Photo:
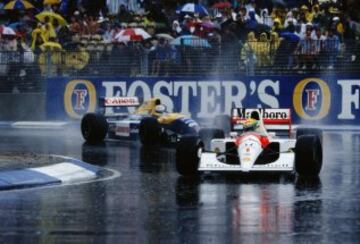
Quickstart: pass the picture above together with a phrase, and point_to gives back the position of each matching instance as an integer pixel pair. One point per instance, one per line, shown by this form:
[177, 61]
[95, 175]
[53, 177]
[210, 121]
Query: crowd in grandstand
[132, 37]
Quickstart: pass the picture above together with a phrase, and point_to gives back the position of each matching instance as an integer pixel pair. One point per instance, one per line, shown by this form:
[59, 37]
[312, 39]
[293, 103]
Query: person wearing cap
[308, 14]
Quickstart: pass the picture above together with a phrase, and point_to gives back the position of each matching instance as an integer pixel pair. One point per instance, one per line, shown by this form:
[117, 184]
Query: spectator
[265, 19]
[248, 54]
[262, 51]
[319, 42]
[162, 58]
[332, 47]
[274, 45]
[306, 50]
[123, 15]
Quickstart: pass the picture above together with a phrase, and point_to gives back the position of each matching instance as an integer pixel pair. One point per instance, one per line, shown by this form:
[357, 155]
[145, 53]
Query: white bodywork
[248, 150]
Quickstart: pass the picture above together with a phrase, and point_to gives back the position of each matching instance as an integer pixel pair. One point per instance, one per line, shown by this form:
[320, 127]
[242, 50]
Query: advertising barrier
[329, 100]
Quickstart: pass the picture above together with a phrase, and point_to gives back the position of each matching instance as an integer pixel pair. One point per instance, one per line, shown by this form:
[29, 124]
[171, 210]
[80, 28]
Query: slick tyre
[308, 156]
[149, 131]
[188, 153]
[309, 131]
[94, 128]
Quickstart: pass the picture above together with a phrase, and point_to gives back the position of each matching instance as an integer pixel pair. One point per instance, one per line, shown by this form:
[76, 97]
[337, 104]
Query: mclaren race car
[149, 122]
[261, 140]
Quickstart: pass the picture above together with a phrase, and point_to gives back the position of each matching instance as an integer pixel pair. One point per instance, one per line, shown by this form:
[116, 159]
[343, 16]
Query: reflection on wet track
[150, 203]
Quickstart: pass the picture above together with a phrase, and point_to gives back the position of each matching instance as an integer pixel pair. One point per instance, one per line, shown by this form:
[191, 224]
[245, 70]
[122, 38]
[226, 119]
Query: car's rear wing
[274, 119]
[115, 106]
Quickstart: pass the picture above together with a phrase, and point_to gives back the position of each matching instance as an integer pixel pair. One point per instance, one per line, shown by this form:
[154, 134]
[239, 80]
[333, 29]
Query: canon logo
[121, 101]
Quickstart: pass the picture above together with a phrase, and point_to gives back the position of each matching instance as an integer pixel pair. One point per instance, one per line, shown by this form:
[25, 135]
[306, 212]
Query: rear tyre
[149, 131]
[188, 153]
[308, 156]
[207, 134]
[94, 127]
[309, 131]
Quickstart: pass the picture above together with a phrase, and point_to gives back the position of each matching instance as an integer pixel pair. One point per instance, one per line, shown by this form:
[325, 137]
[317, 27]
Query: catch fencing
[27, 71]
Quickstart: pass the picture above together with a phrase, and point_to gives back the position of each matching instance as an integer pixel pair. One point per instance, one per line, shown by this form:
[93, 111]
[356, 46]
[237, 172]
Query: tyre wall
[325, 99]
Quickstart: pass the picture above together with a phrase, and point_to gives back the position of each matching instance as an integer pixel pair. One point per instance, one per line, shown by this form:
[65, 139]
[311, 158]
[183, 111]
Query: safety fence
[26, 71]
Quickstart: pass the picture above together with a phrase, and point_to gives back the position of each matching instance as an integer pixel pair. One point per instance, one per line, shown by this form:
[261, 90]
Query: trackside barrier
[316, 100]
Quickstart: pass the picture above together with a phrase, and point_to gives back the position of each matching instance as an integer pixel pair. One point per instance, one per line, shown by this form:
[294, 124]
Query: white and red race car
[260, 149]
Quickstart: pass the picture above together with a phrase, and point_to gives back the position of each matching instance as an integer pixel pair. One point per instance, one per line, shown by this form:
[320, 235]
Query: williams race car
[256, 144]
[149, 122]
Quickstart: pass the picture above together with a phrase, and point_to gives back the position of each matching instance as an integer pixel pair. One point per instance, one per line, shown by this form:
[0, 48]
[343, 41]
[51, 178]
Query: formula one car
[150, 122]
[255, 144]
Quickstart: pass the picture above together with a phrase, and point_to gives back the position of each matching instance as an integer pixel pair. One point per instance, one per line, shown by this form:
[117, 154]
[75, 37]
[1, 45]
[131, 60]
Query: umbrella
[7, 31]
[52, 16]
[165, 36]
[18, 4]
[51, 2]
[192, 8]
[15, 25]
[189, 40]
[222, 5]
[132, 34]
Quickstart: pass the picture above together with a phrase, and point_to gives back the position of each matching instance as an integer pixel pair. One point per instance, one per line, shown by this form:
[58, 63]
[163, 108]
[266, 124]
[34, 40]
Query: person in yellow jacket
[262, 51]
[309, 15]
[37, 37]
[47, 32]
[247, 54]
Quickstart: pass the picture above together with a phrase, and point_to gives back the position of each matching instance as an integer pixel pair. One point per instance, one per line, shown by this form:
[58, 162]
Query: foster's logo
[311, 99]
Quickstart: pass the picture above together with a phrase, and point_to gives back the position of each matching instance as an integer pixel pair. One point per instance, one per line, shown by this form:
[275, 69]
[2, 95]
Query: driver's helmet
[253, 122]
[255, 115]
[160, 109]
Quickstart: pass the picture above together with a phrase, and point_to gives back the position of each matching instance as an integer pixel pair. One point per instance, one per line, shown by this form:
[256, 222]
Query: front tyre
[149, 131]
[188, 153]
[94, 127]
[308, 156]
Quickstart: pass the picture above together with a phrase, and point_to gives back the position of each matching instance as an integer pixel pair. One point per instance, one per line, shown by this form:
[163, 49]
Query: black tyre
[223, 122]
[309, 131]
[188, 152]
[308, 156]
[94, 127]
[149, 131]
[207, 134]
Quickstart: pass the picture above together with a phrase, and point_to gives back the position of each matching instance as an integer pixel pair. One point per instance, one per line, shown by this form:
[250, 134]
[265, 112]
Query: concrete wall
[22, 106]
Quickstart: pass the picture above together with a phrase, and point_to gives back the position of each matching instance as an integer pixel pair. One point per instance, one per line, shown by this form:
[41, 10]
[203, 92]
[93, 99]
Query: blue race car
[149, 122]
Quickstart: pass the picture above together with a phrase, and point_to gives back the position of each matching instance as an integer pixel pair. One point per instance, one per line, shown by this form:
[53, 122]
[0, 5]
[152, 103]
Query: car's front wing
[209, 162]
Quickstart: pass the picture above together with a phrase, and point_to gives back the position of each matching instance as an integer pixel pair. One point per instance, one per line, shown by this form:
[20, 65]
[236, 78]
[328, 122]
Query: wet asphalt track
[150, 203]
